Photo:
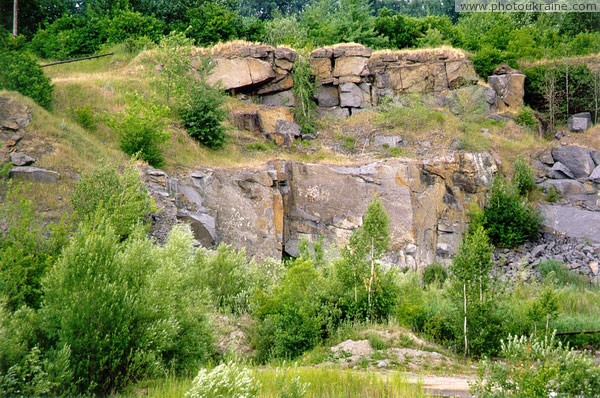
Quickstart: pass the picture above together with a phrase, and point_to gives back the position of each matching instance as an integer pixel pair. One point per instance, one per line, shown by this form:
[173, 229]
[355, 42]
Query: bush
[127, 25]
[122, 198]
[141, 129]
[291, 319]
[27, 248]
[538, 368]
[304, 91]
[84, 116]
[20, 72]
[224, 273]
[508, 218]
[212, 23]
[127, 310]
[434, 274]
[488, 59]
[226, 380]
[526, 117]
[68, 37]
[523, 177]
[203, 116]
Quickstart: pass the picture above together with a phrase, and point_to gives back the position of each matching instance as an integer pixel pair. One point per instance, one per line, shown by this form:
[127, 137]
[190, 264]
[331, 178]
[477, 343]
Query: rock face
[351, 77]
[509, 87]
[268, 210]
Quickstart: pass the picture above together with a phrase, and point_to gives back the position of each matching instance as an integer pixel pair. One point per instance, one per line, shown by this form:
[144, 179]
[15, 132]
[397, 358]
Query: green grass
[321, 382]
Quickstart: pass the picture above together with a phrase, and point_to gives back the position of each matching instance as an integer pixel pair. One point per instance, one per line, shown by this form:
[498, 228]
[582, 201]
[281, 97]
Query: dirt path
[443, 386]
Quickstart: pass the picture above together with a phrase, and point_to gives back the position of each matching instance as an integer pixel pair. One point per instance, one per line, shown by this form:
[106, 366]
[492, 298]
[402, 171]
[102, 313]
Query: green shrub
[552, 194]
[304, 91]
[121, 197]
[559, 274]
[508, 218]
[68, 37]
[141, 129]
[212, 23]
[523, 177]
[174, 80]
[291, 318]
[126, 25]
[488, 59]
[434, 274]
[20, 72]
[526, 117]
[538, 369]
[127, 310]
[226, 380]
[203, 116]
[225, 274]
[27, 248]
[84, 116]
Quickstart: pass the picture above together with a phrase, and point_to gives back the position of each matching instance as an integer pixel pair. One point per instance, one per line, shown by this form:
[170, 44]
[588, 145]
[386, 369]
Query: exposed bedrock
[268, 209]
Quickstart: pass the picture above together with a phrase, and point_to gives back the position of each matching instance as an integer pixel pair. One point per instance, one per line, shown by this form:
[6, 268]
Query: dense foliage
[21, 73]
[203, 116]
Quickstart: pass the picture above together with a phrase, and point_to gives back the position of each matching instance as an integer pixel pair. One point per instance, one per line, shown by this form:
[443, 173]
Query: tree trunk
[465, 323]
[15, 17]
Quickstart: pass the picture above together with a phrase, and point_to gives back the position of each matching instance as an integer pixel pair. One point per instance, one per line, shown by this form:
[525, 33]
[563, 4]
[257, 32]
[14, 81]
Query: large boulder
[239, 73]
[572, 221]
[328, 96]
[578, 160]
[580, 122]
[34, 174]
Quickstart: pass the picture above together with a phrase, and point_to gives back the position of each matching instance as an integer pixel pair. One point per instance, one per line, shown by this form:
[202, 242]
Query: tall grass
[330, 382]
[320, 382]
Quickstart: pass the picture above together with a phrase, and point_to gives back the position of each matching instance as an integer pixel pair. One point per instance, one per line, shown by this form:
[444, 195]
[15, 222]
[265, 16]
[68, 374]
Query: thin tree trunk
[15, 17]
[371, 281]
[567, 88]
[465, 323]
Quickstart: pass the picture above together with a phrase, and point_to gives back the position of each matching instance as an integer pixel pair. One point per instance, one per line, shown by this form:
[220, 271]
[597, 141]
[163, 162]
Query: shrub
[141, 129]
[224, 273]
[122, 198]
[212, 23]
[27, 249]
[290, 317]
[126, 309]
[127, 25]
[434, 274]
[84, 116]
[173, 80]
[508, 218]
[226, 380]
[304, 91]
[20, 72]
[68, 37]
[559, 274]
[526, 117]
[523, 177]
[538, 368]
[203, 116]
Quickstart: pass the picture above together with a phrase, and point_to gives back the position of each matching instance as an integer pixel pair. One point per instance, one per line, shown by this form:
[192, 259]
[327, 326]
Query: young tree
[367, 292]
[470, 269]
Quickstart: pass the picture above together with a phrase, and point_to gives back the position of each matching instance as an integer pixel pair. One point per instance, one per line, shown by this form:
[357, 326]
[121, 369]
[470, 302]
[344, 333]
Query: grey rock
[21, 159]
[390, 141]
[595, 157]
[572, 221]
[546, 157]
[34, 174]
[203, 227]
[282, 98]
[351, 95]
[10, 125]
[560, 135]
[288, 128]
[336, 111]
[559, 172]
[577, 159]
[566, 187]
[580, 122]
[595, 176]
[410, 249]
[328, 96]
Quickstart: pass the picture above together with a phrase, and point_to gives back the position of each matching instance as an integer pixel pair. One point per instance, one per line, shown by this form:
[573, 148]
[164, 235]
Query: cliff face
[268, 210]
